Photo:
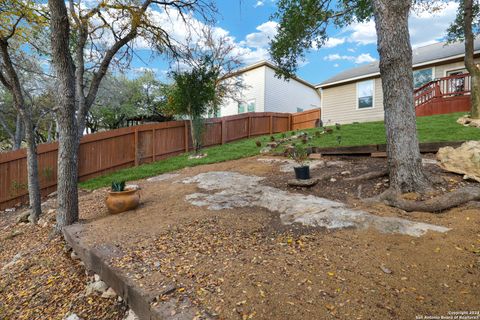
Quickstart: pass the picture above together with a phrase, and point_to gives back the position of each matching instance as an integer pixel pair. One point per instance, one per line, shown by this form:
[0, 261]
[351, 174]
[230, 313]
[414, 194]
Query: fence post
[271, 124]
[224, 131]
[153, 145]
[137, 160]
[290, 118]
[249, 125]
[186, 135]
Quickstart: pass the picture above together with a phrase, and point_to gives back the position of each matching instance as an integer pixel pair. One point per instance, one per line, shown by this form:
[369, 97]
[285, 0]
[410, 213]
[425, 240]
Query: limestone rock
[228, 190]
[23, 217]
[72, 316]
[307, 183]
[109, 294]
[74, 255]
[97, 286]
[462, 160]
[130, 315]
[265, 150]
[14, 261]
[469, 122]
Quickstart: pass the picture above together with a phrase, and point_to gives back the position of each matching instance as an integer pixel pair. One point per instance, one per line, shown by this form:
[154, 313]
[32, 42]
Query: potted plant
[299, 155]
[122, 199]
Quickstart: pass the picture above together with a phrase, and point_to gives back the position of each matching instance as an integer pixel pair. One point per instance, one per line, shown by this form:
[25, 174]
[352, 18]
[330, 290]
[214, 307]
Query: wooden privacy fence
[109, 151]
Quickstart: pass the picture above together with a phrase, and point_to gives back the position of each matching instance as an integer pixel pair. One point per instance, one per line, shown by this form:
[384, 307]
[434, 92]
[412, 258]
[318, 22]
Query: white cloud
[362, 58]
[259, 4]
[426, 27]
[333, 42]
[261, 39]
[336, 65]
[255, 46]
[252, 49]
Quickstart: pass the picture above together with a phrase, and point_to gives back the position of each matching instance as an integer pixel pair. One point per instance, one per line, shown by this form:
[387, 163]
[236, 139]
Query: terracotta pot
[122, 201]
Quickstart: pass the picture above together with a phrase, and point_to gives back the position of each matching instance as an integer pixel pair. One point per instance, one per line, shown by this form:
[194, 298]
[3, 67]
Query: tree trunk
[404, 160]
[67, 193]
[472, 68]
[12, 83]
[19, 133]
[192, 134]
[32, 169]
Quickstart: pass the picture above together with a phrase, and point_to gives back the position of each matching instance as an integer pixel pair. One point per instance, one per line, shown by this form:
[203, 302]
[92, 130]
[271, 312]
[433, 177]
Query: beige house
[355, 95]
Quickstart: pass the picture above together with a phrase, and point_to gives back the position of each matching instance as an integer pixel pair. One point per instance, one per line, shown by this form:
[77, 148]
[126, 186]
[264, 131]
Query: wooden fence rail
[109, 151]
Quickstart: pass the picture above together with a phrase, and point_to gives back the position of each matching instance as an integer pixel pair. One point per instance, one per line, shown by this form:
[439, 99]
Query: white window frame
[254, 101]
[446, 71]
[373, 94]
[433, 72]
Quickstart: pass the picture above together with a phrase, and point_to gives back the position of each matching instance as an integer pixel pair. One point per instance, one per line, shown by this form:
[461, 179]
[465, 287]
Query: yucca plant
[118, 186]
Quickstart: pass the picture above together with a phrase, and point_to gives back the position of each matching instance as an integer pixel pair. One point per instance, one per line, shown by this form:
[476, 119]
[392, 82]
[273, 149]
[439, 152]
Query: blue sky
[248, 24]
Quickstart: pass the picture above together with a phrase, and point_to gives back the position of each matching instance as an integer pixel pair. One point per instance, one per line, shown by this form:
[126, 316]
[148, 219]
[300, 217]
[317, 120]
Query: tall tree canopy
[304, 24]
[193, 95]
[104, 30]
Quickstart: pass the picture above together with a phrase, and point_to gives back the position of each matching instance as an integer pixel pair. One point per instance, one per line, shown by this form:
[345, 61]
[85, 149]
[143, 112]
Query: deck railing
[457, 85]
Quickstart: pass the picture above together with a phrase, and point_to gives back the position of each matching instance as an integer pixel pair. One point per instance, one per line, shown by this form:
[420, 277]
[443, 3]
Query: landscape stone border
[139, 300]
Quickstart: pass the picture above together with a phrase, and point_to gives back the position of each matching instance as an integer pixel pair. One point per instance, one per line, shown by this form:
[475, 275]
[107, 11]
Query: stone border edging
[138, 300]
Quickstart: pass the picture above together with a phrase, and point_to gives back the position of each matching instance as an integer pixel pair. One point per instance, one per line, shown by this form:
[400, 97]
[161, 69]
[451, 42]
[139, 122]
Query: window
[299, 109]
[365, 94]
[420, 77]
[218, 114]
[251, 106]
[241, 108]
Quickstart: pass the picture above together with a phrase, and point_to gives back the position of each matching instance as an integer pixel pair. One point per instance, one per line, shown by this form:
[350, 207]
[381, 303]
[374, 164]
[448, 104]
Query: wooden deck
[444, 95]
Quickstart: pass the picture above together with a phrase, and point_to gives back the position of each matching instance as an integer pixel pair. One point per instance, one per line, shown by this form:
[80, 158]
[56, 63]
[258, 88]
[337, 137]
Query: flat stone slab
[228, 190]
[306, 183]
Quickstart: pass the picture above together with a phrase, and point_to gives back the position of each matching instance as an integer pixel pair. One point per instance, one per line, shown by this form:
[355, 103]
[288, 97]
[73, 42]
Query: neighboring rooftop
[421, 56]
[270, 65]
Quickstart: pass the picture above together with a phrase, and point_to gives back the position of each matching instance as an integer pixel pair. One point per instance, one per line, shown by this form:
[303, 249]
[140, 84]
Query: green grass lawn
[430, 129]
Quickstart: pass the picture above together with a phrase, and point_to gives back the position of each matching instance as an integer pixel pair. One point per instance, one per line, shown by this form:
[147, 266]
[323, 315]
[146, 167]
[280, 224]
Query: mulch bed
[44, 283]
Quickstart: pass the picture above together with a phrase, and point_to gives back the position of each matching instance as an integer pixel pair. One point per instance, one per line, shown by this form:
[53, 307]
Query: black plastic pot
[302, 173]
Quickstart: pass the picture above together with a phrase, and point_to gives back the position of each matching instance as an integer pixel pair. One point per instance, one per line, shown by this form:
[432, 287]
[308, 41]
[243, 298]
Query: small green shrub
[299, 155]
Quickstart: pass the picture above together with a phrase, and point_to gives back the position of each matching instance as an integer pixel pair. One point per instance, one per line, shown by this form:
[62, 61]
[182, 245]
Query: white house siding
[287, 96]
[254, 81]
[339, 104]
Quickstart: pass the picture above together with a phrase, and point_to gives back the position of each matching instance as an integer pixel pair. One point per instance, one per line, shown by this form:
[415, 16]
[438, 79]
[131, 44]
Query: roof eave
[370, 75]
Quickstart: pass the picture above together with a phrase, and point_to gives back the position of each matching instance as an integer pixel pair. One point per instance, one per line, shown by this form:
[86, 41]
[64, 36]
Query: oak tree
[19, 21]
[304, 23]
[105, 30]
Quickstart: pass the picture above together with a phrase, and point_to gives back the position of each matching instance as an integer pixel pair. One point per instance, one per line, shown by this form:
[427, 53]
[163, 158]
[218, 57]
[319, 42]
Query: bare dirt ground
[243, 263]
[39, 280]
